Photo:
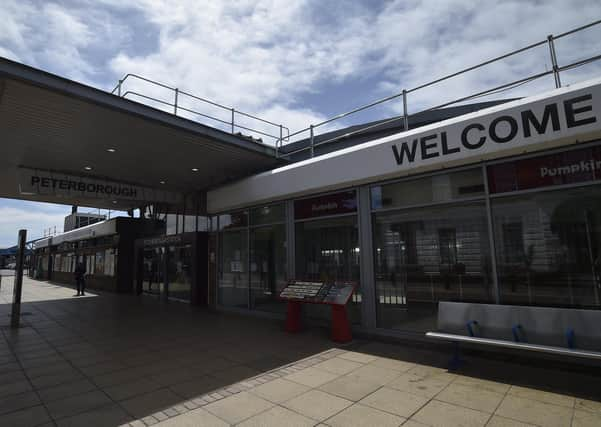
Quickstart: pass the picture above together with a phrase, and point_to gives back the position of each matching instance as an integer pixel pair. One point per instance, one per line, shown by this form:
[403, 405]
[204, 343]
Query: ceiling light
[162, 182]
[114, 202]
[111, 150]
[88, 168]
[194, 169]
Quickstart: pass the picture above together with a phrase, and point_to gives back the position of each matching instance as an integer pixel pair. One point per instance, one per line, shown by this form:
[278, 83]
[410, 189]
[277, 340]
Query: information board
[319, 292]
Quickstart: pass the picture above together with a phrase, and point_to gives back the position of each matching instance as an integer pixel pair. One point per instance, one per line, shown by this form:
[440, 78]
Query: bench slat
[516, 345]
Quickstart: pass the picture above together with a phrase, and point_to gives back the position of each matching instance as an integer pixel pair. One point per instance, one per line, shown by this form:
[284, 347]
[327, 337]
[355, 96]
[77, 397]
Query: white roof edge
[355, 165]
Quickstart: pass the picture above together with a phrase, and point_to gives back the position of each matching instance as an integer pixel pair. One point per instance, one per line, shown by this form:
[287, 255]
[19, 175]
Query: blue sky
[293, 62]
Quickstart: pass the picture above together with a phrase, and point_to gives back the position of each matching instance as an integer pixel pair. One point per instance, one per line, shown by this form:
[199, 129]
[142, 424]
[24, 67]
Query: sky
[288, 61]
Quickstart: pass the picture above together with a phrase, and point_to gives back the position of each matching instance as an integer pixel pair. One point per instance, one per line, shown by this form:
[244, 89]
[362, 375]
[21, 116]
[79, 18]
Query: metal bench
[558, 331]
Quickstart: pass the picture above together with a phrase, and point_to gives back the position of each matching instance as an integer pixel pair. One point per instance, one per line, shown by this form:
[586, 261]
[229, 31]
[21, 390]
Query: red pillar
[341, 328]
[293, 317]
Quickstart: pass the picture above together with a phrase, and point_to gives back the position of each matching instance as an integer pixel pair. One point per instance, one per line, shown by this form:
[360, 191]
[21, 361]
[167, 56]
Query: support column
[366, 259]
[15, 316]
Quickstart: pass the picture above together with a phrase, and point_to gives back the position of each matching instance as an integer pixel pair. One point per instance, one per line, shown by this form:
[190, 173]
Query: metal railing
[274, 131]
[404, 118]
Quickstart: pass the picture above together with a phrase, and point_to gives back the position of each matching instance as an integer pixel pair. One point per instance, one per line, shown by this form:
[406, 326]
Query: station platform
[110, 360]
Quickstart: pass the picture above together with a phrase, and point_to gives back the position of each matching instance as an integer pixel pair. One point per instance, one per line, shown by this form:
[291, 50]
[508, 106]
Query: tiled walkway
[109, 360]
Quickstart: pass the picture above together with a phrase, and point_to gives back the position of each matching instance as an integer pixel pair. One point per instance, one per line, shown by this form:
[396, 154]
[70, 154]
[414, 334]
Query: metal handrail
[556, 69]
[283, 131]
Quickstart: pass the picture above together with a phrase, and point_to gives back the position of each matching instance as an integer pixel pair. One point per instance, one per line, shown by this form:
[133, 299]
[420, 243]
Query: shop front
[173, 267]
[523, 230]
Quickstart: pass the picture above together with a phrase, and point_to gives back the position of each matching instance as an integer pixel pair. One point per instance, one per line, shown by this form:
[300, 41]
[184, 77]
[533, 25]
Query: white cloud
[35, 218]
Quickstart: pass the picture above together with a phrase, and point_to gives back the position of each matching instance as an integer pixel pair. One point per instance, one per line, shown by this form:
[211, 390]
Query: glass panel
[189, 224]
[171, 224]
[432, 189]
[268, 214]
[567, 167]
[109, 262]
[267, 267]
[549, 248]
[427, 255]
[203, 223]
[326, 205]
[233, 274]
[179, 272]
[234, 220]
[153, 281]
[100, 263]
[328, 250]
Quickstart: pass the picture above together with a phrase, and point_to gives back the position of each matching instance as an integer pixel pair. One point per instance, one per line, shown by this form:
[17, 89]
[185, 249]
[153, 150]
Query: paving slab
[238, 407]
[360, 415]
[441, 414]
[535, 412]
[396, 402]
[317, 404]
[279, 390]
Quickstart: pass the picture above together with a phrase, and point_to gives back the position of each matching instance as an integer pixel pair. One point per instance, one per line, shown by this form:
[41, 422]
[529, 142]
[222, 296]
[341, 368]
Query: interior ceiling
[49, 129]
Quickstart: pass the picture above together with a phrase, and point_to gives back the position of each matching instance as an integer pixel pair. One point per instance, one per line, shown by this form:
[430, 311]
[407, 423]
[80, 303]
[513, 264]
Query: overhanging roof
[54, 124]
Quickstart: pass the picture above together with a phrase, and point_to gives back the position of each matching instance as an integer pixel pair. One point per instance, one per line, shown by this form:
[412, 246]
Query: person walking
[80, 271]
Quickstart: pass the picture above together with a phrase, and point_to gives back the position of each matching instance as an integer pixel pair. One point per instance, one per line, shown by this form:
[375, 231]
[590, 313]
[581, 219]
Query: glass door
[179, 272]
[153, 276]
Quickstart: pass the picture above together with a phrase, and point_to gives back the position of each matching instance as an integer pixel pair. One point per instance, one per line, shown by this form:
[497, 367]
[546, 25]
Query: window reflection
[548, 248]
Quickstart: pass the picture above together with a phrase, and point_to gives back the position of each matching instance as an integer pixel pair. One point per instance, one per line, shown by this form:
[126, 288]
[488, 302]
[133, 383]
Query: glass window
[234, 220]
[189, 223]
[432, 189]
[153, 280]
[268, 214]
[267, 267]
[91, 264]
[328, 250]
[57, 266]
[233, 272]
[171, 224]
[99, 263]
[179, 273]
[426, 255]
[109, 262]
[549, 247]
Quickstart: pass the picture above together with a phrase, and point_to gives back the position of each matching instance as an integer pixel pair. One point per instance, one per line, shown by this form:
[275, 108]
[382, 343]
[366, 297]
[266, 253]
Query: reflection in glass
[431, 189]
[549, 248]
[267, 267]
[153, 280]
[328, 250]
[233, 272]
[427, 255]
[179, 273]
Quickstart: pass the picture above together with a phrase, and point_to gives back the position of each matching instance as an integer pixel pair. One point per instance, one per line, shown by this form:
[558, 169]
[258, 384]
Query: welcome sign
[37, 182]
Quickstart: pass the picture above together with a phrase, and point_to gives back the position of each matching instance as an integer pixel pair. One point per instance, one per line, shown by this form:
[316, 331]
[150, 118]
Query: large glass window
[328, 250]
[233, 274]
[427, 255]
[549, 247]
[267, 267]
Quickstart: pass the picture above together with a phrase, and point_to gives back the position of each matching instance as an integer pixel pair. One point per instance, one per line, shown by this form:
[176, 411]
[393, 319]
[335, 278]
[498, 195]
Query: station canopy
[68, 143]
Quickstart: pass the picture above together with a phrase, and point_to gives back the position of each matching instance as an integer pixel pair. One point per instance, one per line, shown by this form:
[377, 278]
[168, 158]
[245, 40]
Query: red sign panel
[330, 204]
[554, 169]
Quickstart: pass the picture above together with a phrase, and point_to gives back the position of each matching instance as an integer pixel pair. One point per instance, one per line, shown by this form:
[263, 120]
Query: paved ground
[108, 360]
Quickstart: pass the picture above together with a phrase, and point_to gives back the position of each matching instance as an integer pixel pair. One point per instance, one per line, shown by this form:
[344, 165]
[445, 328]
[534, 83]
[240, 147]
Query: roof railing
[265, 128]
[555, 70]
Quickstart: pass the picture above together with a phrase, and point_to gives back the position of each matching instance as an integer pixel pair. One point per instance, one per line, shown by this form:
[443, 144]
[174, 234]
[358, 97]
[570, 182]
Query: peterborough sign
[36, 182]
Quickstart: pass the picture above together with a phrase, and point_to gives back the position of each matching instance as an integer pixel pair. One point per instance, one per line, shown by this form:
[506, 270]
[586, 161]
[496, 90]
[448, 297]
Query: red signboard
[329, 204]
[568, 167]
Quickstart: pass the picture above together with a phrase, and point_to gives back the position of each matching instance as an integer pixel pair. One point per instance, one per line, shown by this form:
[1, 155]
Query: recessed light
[114, 202]
[88, 168]
[194, 169]
[162, 182]
[111, 150]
